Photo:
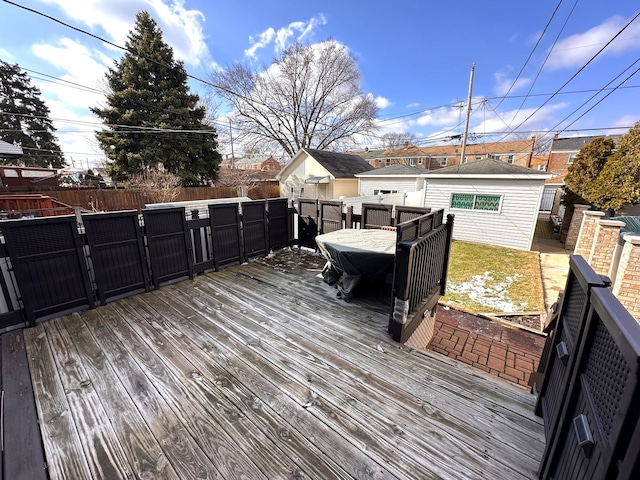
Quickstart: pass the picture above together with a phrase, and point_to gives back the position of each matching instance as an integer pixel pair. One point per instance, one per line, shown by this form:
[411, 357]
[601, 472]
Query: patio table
[356, 255]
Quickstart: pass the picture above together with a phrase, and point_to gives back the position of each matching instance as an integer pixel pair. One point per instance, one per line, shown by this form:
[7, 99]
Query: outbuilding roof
[573, 144]
[10, 150]
[340, 165]
[397, 169]
[488, 166]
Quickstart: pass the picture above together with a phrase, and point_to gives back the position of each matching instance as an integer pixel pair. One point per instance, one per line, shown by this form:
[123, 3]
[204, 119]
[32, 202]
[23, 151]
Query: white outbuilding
[391, 179]
[493, 202]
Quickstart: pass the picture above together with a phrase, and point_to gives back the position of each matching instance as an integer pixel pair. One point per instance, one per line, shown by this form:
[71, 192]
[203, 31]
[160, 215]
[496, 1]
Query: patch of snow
[484, 290]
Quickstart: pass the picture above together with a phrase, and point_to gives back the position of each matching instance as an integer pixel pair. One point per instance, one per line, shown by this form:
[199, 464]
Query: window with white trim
[443, 161]
[542, 168]
[466, 201]
[387, 162]
[509, 158]
[420, 161]
[571, 158]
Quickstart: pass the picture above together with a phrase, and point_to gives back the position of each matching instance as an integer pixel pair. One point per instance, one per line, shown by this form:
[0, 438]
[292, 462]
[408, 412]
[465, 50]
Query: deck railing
[55, 265]
[591, 389]
[420, 271]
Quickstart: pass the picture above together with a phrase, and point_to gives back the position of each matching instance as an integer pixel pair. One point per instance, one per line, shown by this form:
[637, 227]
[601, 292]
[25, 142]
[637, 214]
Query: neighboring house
[393, 179]
[260, 163]
[321, 174]
[10, 153]
[493, 202]
[564, 150]
[519, 152]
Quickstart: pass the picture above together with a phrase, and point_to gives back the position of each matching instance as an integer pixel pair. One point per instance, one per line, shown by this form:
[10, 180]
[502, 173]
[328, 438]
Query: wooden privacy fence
[591, 388]
[52, 266]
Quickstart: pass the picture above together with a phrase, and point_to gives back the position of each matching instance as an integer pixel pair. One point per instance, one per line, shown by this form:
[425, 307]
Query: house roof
[398, 169]
[368, 154]
[340, 165]
[487, 167]
[10, 150]
[573, 144]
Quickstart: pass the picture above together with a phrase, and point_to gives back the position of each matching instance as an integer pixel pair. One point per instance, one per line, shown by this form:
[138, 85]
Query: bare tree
[397, 139]
[309, 97]
[156, 185]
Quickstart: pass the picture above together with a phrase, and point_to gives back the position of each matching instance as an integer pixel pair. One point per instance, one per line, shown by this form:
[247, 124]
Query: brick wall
[599, 243]
[627, 284]
[571, 238]
[587, 232]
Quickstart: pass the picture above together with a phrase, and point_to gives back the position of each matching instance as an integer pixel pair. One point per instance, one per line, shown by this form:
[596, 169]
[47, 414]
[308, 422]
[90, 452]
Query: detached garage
[391, 179]
[493, 202]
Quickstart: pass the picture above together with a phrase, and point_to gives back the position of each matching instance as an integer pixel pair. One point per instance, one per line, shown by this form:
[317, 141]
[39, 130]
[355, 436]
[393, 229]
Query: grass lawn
[485, 278]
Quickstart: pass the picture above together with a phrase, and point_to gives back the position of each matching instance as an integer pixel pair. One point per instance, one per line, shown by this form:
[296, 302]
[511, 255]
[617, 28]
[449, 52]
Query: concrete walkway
[506, 352]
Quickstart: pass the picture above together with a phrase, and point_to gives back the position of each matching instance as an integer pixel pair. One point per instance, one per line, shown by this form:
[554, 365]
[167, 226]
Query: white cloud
[261, 41]
[577, 49]
[283, 36]
[382, 102]
[445, 116]
[504, 83]
[503, 121]
[413, 105]
[83, 67]
[181, 28]
[626, 121]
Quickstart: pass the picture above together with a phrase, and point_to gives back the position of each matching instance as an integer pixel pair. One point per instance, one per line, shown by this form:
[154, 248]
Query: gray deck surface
[259, 372]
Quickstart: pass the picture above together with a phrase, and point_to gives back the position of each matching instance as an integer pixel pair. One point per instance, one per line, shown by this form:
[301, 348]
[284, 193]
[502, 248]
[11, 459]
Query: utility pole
[233, 158]
[466, 122]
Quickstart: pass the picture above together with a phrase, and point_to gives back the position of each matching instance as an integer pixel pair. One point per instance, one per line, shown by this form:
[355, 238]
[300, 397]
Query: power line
[578, 72]
[533, 50]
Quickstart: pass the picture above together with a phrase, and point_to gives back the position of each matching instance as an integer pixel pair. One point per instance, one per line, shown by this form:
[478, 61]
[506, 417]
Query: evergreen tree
[588, 164]
[619, 180]
[148, 107]
[24, 119]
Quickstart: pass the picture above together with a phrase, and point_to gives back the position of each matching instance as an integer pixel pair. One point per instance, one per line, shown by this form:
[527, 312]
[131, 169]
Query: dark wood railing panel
[226, 236]
[199, 230]
[278, 214]
[376, 215]
[420, 271]
[49, 266]
[330, 216]
[169, 245]
[307, 222]
[404, 213]
[254, 229]
[117, 254]
[599, 415]
[565, 340]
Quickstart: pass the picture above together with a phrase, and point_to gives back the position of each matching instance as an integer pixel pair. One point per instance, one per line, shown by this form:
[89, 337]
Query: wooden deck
[259, 372]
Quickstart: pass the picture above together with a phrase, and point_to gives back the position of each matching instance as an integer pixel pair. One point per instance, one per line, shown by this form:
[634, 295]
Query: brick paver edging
[505, 352]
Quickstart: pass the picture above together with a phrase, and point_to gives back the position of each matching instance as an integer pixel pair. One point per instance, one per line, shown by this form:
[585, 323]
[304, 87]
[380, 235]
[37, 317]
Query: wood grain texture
[258, 371]
[23, 455]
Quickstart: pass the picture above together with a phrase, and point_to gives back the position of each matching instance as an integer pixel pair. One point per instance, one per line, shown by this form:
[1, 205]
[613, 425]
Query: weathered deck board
[413, 409]
[22, 456]
[257, 371]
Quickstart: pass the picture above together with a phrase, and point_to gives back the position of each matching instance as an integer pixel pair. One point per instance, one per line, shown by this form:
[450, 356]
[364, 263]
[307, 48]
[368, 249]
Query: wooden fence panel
[226, 236]
[599, 415]
[330, 216]
[49, 266]
[168, 244]
[254, 229]
[278, 214]
[117, 254]
[565, 340]
[307, 222]
[376, 215]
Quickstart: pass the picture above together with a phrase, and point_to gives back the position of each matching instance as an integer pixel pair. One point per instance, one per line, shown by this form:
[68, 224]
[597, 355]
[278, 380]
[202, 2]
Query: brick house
[519, 152]
[255, 163]
[564, 150]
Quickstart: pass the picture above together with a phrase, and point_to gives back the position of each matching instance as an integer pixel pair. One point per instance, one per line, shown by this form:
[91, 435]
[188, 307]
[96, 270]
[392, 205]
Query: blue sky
[415, 58]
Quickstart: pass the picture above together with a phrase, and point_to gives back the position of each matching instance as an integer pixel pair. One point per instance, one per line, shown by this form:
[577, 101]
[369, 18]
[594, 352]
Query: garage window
[487, 203]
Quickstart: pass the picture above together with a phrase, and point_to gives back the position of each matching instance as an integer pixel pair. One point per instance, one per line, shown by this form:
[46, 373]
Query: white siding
[368, 185]
[512, 227]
